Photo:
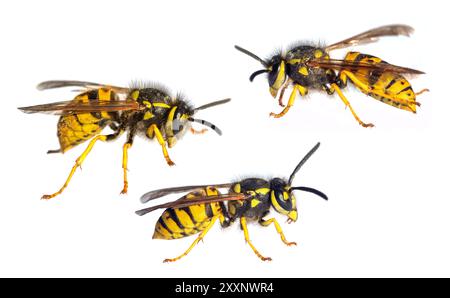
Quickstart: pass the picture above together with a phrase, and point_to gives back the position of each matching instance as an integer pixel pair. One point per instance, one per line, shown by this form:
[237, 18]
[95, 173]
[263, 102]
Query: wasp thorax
[303, 53]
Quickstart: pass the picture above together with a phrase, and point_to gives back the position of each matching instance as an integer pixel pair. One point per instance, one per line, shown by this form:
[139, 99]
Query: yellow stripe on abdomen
[74, 129]
[176, 223]
[390, 88]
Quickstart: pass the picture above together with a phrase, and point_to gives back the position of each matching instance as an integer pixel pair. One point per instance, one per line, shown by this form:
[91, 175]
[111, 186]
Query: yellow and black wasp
[250, 199]
[305, 66]
[145, 109]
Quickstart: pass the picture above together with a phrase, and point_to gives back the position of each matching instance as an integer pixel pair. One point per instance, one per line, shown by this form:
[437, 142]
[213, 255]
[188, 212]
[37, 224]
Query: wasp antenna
[302, 162]
[212, 104]
[311, 190]
[257, 73]
[251, 55]
[208, 124]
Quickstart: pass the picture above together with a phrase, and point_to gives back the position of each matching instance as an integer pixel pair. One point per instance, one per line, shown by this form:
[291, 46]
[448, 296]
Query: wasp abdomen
[74, 129]
[177, 223]
[388, 87]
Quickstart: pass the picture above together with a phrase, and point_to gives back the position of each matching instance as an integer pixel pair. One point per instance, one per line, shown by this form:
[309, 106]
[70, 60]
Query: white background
[388, 213]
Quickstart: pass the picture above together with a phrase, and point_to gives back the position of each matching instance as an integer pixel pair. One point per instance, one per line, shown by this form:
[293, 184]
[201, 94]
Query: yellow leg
[422, 91]
[161, 142]
[78, 163]
[347, 104]
[302, 90]
[126, 146]
[283, 89]
[198, 132]
[278, 228]
[247, 239]
[200, 237]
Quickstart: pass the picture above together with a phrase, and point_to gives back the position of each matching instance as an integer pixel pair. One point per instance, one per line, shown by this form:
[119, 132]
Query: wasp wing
[78, 106]
[185, 202]
[88, 85]
[354, 66]
[154, 194]
[372, 35]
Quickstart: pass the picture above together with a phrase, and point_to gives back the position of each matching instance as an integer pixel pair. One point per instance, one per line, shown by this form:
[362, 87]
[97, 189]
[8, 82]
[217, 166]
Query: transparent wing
[372, 35]
[353, 66]
[88, 85]
[154, 194]
[185, 202]
[77, 107]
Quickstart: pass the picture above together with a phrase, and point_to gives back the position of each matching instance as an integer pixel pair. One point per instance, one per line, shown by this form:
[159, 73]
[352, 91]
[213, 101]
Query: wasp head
[275, 67]
[178, 120]
[282, 197]
[181, 116]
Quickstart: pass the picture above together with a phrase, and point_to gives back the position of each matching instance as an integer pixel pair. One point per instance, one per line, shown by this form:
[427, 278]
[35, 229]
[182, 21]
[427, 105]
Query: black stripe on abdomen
[374, 77]
[405, 89]
[208, 210]
[175, 218]
[163, 224]
[189, 213]
[361, 56]
[392, 82]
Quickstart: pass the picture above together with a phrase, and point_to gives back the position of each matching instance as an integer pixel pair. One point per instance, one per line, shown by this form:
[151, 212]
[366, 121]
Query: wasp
[146, 109]
[248, 200]
[305, 66]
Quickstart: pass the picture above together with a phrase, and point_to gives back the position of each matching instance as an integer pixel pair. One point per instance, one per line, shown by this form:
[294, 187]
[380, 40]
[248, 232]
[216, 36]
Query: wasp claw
[367, 124]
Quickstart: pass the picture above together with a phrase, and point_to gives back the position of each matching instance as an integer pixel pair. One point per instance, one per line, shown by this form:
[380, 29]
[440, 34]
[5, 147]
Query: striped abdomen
[74, 129]
[390, 88]
[177, 223]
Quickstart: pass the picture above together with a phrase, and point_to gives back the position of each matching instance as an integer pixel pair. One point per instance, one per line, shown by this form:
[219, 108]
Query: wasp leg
[154, 130]
[283, 89]
[347, 104]
[80, 160]
[266, 223]
[247, 239]
[302, 90]
[197, 240]
[126, 146]
[54, 151]
[198, 132]
[422, 91]
[225, 219]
